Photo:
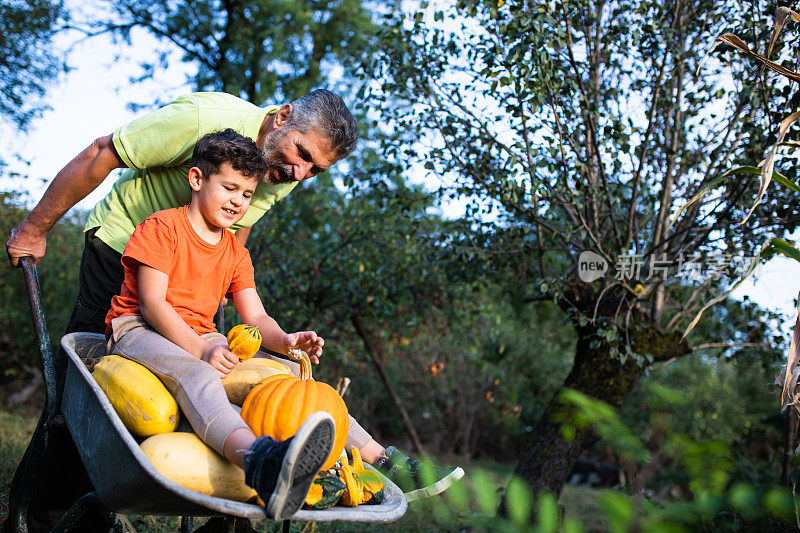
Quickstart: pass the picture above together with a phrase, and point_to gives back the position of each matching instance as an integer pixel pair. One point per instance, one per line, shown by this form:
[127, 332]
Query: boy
[179, 264]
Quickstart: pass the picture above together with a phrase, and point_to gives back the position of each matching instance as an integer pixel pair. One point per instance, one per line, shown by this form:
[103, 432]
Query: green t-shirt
[157, 148]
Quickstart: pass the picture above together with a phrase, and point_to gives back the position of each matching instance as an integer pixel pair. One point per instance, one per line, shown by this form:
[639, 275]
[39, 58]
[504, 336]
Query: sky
[91, 102]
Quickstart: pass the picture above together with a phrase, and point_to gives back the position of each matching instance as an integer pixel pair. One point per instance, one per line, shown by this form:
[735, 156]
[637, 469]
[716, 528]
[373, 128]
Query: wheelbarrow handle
[18, 503]
[40, 329]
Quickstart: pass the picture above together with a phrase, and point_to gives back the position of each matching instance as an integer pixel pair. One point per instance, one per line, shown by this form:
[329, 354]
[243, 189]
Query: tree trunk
[550, 457]
[372, 352]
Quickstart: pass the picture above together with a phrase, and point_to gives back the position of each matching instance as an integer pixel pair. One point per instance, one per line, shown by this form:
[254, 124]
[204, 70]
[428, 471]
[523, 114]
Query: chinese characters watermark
[694, 267]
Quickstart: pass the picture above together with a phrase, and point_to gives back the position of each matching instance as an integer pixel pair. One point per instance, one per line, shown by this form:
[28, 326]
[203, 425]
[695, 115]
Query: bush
[58, 277]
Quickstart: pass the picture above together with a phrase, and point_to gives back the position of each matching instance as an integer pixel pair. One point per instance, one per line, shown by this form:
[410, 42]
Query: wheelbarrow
[124, 479]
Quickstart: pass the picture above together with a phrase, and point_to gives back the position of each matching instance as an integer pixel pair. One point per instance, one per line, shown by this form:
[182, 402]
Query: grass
[16, 429]
[464, 508]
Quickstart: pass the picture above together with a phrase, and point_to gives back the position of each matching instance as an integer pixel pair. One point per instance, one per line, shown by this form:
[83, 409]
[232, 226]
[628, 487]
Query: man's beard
[270, 151]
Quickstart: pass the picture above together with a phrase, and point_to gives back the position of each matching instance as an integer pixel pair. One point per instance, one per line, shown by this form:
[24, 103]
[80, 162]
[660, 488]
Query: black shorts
[100, 279]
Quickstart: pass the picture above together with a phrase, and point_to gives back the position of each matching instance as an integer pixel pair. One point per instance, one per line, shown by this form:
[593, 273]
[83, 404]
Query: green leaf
[780, 246]
[548, 513]
[484, 492]
[619, 510]
[571, 525]
[786, 182]
[518, 501]
[457, 494]
[744, 498]
[713, 184]
[778, 501]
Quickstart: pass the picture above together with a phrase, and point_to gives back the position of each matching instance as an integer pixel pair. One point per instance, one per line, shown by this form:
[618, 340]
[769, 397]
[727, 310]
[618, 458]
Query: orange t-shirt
[200, 274]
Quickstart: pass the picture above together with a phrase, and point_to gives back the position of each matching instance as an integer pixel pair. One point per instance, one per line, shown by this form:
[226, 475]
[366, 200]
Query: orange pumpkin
[244, 340]
[280, 404]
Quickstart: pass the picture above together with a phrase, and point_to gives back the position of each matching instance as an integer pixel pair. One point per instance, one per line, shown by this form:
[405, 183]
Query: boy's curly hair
[227, 146]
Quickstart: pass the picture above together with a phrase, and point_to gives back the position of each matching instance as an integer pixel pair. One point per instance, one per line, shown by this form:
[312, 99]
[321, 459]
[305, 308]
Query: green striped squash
[325, 491]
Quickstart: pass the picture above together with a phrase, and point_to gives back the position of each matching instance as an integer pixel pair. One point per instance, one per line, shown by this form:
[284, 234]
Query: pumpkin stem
[305, 363]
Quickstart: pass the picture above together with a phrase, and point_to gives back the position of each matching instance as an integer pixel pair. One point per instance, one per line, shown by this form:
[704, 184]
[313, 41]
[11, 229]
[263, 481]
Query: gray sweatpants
[194, 384]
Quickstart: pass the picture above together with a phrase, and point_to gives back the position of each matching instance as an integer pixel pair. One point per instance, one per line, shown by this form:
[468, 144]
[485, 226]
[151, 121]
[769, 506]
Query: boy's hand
[308, 341]
[219, 357]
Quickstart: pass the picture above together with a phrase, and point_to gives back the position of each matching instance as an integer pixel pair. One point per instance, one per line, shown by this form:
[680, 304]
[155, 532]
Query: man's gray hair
[326, 112]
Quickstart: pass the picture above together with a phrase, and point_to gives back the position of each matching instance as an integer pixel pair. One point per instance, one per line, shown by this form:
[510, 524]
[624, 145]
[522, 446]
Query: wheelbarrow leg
[187, 522]
[18, 511]
[287, 526]
[86, 503]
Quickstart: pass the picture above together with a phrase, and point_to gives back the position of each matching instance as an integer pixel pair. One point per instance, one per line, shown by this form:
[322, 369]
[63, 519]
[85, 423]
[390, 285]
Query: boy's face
[223, 198]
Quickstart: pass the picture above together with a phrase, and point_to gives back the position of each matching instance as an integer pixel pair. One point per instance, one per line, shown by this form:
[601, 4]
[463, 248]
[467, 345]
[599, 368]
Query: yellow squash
[247, 374]
[140, 399]
[186, 460]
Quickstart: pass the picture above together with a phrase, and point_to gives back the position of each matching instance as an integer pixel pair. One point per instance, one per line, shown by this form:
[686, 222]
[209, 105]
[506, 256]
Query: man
[298, 140]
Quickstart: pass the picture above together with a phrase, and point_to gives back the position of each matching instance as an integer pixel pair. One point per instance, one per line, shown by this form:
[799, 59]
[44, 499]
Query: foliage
[58, 277]
[577, 127]
[362, 270]
[454, 349]
[778, 99]
[720, 494]
[730, 400]
[739, 351]
[260, 50]
[496, 101]
[28, 60]
[350, 246]
[478, 382]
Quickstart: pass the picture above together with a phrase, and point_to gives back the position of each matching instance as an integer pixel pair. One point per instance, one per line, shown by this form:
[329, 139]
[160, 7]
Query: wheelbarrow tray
[126, 481]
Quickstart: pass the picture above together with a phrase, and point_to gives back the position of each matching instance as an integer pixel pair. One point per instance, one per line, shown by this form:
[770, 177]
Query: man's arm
[72, 184]
[166, 320]
[242, 234]
[250, 308]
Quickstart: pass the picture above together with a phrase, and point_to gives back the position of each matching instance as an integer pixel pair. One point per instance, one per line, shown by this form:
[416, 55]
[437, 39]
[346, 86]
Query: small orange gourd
[280, 404]
[244, 340]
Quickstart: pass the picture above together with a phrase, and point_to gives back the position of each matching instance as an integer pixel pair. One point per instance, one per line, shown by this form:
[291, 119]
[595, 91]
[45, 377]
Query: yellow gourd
[244, 340]
[189, 462]
[247, 374]
[140, 399]
[362, 485]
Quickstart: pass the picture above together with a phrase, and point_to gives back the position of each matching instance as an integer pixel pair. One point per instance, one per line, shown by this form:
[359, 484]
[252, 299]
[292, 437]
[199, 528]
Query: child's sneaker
[282, 472]
[416, 481]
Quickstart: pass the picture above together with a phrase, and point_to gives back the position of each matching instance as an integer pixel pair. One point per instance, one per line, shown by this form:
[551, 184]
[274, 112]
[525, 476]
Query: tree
[260, 50]
[28, 61]
[365, 268]
[575, 130]
[19, 353]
